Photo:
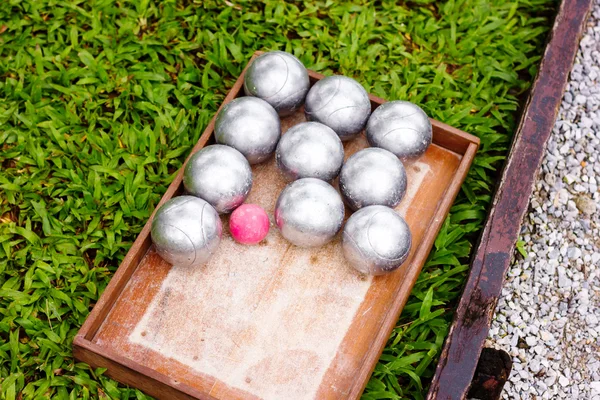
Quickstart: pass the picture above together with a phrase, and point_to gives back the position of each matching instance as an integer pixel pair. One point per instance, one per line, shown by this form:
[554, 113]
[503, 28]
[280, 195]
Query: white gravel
[548, 316]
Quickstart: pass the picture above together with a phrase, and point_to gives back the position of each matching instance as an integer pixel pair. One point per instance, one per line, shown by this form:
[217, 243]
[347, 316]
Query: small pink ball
[249, 224]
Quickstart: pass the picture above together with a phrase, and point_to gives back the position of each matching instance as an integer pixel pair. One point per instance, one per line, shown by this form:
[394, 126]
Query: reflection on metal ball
[249, 125]
[376, 240]
[310, 150]
[186, 231]
[309, 212]
[339, 102]
[372, 176]
[280, 79]
[220, 175]
[400, 127]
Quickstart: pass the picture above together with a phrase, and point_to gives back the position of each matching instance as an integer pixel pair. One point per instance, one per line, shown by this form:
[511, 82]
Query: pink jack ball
[249, 224]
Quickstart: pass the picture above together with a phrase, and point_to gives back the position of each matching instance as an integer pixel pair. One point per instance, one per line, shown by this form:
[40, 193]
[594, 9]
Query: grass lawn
[101, 100]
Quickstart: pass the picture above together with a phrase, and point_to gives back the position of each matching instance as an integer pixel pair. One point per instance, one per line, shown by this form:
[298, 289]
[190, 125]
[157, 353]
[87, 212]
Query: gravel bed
[548, 317]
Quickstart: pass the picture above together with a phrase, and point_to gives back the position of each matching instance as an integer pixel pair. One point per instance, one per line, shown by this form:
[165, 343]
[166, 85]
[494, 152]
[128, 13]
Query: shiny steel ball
[249, 125]
[280, 79]
[220, 175]
[186, 231]
[376, 240]
[309, 212]
[372, 176]
[400, 127]
[339, 102]
[310, 150]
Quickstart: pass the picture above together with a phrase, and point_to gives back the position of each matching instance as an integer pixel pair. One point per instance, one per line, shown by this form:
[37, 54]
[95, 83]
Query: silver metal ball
[400, 127]
[310, 150]
[372, 176]
[376, 240]
[249, 125]
[309, 212]
[339, 102]
[220, 175]
[280, 79]
[186, 231]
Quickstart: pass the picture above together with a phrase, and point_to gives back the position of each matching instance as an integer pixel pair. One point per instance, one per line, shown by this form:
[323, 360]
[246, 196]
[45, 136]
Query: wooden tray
[271, 321]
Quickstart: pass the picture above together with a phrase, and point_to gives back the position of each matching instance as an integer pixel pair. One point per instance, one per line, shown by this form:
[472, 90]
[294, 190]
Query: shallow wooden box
[272, 321]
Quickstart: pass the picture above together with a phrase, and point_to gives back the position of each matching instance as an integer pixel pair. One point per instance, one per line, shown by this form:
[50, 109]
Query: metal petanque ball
[339, 102]
[280, 79]
[400, 127]
[220, 175]
[249, 125]
[310, 150]
[186, 231]
[309, 212]
[376, 240]
[373, 176]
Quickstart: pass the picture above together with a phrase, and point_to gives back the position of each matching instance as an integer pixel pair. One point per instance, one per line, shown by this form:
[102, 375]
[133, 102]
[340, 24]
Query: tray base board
[246, 324]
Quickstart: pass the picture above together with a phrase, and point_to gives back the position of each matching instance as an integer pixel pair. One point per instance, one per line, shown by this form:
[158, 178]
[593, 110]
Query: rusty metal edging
[494, 253]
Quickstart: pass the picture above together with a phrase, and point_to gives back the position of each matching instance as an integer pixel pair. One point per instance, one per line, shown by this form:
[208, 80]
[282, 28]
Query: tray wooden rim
[156, 383]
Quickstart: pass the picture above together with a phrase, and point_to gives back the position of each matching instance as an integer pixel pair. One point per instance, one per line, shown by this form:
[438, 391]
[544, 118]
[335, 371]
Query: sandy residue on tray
[266, 319]
[416, 172]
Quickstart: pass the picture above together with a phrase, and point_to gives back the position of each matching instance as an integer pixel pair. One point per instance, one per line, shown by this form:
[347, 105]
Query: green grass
[100, 102]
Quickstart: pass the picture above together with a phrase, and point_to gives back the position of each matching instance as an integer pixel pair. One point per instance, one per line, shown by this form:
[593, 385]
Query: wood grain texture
[143, 242]
[136, 375]
[494, 253]
[272, 320]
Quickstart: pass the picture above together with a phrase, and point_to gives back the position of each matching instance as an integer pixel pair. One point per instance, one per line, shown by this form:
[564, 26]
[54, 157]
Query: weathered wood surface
[270, 321]
[496, 247]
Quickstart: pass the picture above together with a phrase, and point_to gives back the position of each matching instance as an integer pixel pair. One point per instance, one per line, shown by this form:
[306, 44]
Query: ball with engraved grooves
[280, 79]
[186, 231]
[373, 176]
[309, 212]
[376, 240]
[310, 150]
[400, 127]
[219, 174]
[249, 125]
[339, 102]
